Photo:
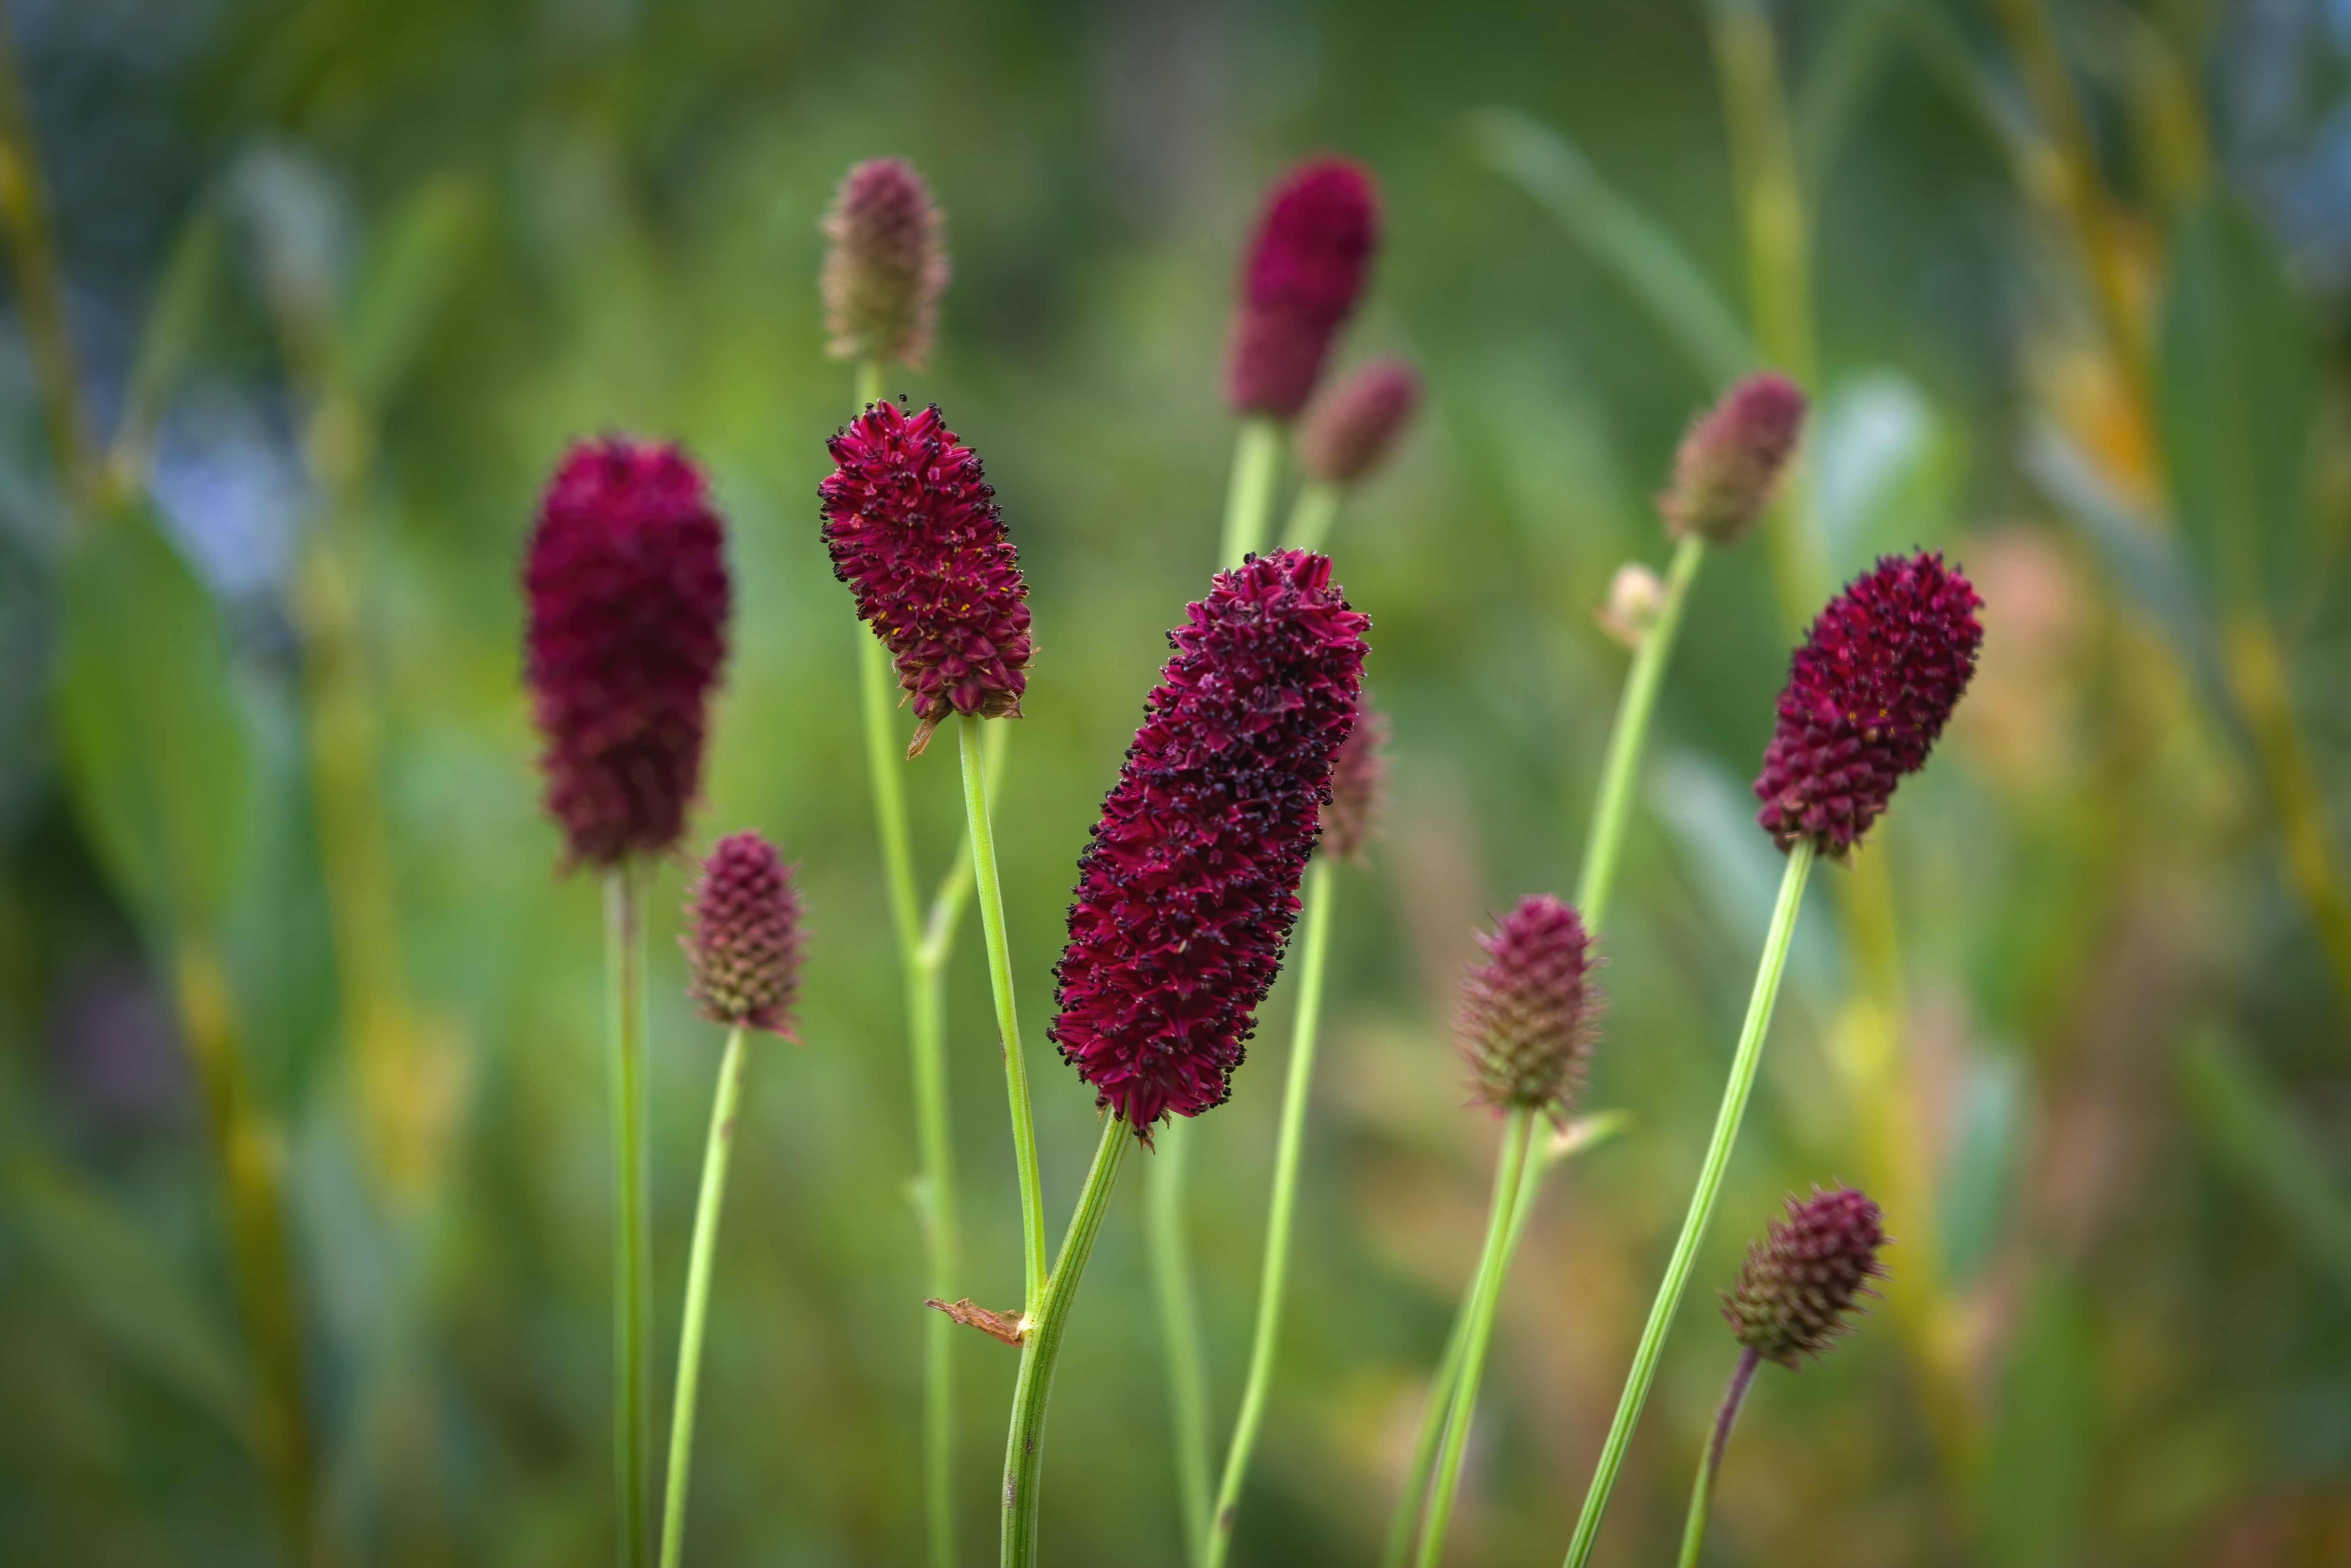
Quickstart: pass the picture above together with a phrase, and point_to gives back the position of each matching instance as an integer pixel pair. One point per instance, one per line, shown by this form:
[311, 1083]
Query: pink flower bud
[885, 267]
[1351, 429]
[1730, 461]
[1530, 1014]
[1801, 1279]
[742, 937]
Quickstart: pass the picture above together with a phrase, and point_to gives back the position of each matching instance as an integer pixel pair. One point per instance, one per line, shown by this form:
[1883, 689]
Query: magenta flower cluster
[1730, 461]
[628, 596]
[1352, 428]
[1799, 1283]
[742, 937]
[1187, 890]
[1304, 271]
[1529, 1013]
[915, 530]
[1867, 695]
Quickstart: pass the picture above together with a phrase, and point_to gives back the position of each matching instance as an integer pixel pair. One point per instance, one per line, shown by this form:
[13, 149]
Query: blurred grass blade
[175, 328]
[1846, 67]
[159, 754]
[2037, 1473]
[402, 280]
[2254, 1133]
[1628, 243]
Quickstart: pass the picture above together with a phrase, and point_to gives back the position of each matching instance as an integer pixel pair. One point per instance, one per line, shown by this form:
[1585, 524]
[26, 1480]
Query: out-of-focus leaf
[1712, 821]
[2036, 1476]
[1982, 1168]
[1876, 458]
[1849, 62]
[1631, 246]
[174, 327]
[402, 280]
[2238, 405]
[300, 224]
[159, 751]
[2251, 1131]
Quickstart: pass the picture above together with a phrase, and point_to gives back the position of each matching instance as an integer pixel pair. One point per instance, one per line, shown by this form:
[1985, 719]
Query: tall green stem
[706, 1211]
[1249, 502]
[1274, 1273]
[1310, 517]
[1709, 1463]
[1179, 1328]
[625, 964]
[1484, 1295]
[1007, 1016]
[40, 295]
[1710, 1187]
[1024, 1450]
[1628, 737]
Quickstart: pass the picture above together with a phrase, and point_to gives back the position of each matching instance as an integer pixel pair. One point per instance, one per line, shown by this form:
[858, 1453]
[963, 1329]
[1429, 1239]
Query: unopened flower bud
[742, 937]
[1636, 597]
[1351, 429]
[1730, 461]
[1529, 1013]
[1800, 1279]
[885, 267]
[1357, 776]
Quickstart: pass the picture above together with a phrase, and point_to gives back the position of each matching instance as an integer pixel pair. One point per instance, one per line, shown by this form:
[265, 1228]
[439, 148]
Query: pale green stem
[624, 963]
[1007, 1016]
[1710, 1187]
[1024, 1449]
[1274, 1273]
[1256, 459]
[1179, 1328]
[41, 294]
[1709, 1463]
[1485, 1294]
[1628, 737]
[1310, 519]
[706, 1211]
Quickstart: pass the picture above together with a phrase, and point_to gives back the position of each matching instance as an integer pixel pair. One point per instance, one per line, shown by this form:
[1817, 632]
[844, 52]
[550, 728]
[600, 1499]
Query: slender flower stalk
[1049, 1323]
[1868, 693]
[624, 966]
[1179, 1306]
[716, 1147]
[1709, 1464]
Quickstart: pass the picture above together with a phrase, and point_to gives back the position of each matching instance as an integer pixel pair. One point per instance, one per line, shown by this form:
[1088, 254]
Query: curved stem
[1275, 1272]
[1310, 519]
[1509, 1169]
[1710, 1463]
[625, 936]
[1024, 1452]
[1628, 737]
[1179, 1329]
[1007, 1016]
[1709, 1186]
[706, 1211]
[1257, 457]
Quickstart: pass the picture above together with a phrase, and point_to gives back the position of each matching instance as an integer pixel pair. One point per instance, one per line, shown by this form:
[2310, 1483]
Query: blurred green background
[292, 991]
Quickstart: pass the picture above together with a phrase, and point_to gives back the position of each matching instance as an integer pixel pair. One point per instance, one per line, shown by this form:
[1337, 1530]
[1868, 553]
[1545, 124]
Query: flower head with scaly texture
[1867, 695]
[1351, 429]
[1300, 282]
[1800, 1279]
[1529, 1013]
[1730, 461]
[914, 528]
[885, 265]
[626, 579]
[1358, 775]
[1186, 893]
[742, 937]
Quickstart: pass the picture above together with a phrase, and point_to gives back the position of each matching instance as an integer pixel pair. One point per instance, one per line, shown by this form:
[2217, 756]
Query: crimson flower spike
[1300, 279]
[628, 594]
[1801, 1279]
[1867, 695]
[1187, 890]
[1529, 1013]
[742, 937]
[915, 530]
[1731, 461]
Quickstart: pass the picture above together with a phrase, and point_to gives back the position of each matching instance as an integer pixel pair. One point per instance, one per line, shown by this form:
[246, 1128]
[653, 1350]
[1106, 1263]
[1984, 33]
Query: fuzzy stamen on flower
[1189, 888]
[915, 530]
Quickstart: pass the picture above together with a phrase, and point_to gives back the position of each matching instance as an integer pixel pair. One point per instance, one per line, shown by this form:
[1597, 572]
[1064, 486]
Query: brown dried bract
[1009, 1327]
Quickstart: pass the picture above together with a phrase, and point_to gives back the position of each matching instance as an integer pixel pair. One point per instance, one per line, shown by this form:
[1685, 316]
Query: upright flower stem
[706, 1211]
[1710, 1463]
[1249, 503]
[1007, 1016]
[1735, 1093]
[1179, 1328]
[1274, 1274]
[1508, 1169]
[1310, 517]
[625, 964]
[922, 961]
[1024, 1452]
[40, 295]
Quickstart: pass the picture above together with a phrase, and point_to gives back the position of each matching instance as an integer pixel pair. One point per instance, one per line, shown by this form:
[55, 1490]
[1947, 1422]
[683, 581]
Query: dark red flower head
[886, 265]
[1186, 893]
[914, 527]
[1800, 1279]
[742, 937]
[1352, 427]
[1529, 1013]
[627, 582]
[1358, 775]
[1303, 273]
[1867, 693]
[1731, 460]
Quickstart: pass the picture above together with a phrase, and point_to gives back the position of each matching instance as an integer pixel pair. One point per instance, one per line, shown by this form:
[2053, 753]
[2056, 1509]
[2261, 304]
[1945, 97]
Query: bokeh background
[301, 1092]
